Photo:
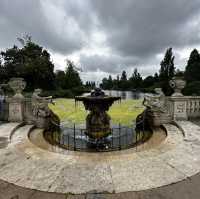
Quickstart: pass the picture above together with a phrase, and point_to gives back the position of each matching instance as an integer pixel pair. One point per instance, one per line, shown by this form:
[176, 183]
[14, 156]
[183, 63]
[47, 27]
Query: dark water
[119, 138]
[125, 94]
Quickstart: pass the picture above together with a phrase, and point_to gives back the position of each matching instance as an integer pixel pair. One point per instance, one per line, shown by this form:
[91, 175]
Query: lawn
[124, 112]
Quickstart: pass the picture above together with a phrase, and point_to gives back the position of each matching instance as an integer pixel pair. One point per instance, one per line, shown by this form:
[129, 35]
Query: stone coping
[27, 165]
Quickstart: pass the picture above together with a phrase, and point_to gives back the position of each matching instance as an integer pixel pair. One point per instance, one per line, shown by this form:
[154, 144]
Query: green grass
[124, 112]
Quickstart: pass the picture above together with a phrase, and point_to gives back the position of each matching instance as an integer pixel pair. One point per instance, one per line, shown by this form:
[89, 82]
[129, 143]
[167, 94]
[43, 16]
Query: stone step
[19, 134]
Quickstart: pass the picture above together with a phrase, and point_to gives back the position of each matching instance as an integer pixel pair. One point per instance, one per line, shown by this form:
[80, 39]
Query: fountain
[98, 134]
[98, 120]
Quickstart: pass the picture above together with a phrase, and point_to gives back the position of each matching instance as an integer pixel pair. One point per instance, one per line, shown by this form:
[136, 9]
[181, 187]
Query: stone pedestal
[178, 108]
[16, 103]
[16, 110]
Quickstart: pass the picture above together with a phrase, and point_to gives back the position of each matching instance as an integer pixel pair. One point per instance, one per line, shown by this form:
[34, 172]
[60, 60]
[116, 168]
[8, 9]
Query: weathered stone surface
[27, 165]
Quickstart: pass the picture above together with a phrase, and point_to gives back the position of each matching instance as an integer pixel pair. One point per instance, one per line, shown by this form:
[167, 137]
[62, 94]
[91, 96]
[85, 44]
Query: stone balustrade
[193, 106]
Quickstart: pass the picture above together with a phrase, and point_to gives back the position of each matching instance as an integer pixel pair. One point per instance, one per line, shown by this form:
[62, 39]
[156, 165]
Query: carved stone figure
[157, 110]
[155, 102]
[40, 104]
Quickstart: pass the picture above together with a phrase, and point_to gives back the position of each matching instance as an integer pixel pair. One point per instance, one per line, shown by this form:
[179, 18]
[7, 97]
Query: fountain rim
[97, 98]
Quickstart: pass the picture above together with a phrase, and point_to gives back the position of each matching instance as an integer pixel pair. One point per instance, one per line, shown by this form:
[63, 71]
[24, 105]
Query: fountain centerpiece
[98, 120]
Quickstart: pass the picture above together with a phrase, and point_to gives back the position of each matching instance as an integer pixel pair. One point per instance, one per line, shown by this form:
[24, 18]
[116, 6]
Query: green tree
[32, 63]
[72, 78]
[136, 79]
[192, 72]
[167, 71]
[148, 82]
[124, 84]
[60, 79]
[123, 76]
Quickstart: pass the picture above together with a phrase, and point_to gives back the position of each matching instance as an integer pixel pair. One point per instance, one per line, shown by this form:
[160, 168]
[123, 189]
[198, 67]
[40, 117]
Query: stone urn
[17, 85]
[177, 83]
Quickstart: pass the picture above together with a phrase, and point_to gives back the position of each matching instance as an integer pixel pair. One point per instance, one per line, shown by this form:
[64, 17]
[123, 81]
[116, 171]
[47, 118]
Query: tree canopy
[31, 62]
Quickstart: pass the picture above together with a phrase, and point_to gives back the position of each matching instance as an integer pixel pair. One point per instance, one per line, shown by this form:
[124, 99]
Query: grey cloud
[136, 31]
[144, 28]
[38, 19]
[110, 64]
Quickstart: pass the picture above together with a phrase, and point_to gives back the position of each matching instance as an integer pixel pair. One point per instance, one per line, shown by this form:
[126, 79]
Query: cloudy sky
[105, 36]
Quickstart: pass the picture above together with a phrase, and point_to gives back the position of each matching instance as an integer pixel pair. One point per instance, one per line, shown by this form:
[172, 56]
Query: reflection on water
[125, 94]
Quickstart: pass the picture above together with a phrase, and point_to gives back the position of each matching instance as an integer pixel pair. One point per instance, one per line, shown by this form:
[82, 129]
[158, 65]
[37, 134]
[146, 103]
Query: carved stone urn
[18, 85]
[177, 83]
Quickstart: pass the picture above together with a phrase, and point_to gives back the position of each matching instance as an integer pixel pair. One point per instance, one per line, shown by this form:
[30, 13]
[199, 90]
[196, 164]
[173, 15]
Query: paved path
[187, 189]
[176, 159]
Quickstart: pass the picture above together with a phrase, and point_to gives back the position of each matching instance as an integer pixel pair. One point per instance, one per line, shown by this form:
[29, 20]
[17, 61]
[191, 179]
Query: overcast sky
[105, 36]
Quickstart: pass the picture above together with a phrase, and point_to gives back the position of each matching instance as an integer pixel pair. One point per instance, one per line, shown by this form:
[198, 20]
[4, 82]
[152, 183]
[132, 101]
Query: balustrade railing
[193, 106]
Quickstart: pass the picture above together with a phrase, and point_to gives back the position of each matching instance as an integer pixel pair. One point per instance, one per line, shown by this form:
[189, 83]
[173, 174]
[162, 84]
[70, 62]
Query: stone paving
[187, 189]
[175, 159]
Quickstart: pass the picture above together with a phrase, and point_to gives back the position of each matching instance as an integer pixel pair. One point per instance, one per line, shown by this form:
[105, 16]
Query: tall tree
[60, 79]
[192, 72]
[124, 76]
[167, 71]
[123, 84]
[72, 78]
[135, 79]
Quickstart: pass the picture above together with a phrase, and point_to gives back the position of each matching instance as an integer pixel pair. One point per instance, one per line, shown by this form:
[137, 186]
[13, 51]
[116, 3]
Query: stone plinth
[16, 109]
[178, 108]
[16, 103]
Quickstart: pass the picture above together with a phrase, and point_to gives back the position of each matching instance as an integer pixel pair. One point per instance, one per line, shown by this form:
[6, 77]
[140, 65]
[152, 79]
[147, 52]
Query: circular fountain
[98, 120]
[98, 134]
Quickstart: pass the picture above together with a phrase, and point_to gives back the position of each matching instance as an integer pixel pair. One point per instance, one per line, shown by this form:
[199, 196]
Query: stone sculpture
[44, 117]
[156, 109]
[98, 120]
[40, 104]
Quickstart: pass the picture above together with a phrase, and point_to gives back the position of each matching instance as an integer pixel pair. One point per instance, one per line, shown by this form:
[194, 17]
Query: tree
[72, 78]
[60, 79]
[123, 76]
[32, 63]
[135, 79]
[13, 63]
[124, 84]
[107, 84]
[167, 71]
[192, 72]
[148, 82]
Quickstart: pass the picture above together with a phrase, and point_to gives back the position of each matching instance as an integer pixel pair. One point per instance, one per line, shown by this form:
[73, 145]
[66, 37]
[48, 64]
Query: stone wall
[162, 109]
